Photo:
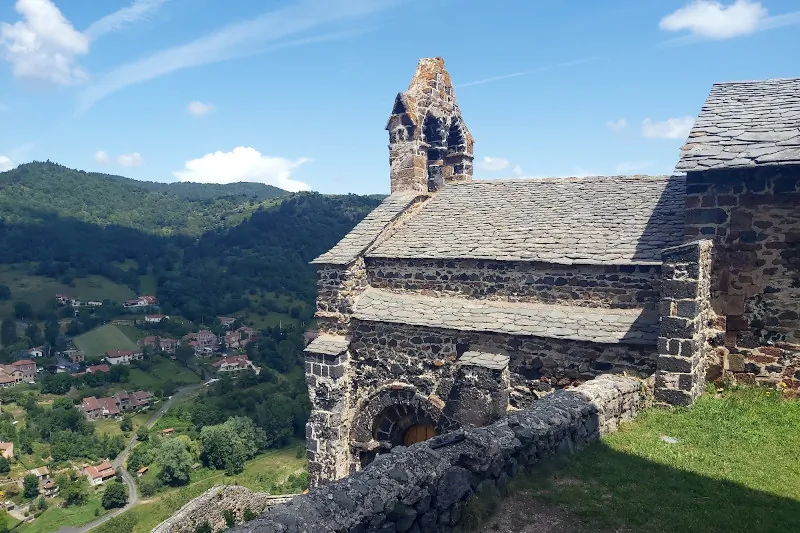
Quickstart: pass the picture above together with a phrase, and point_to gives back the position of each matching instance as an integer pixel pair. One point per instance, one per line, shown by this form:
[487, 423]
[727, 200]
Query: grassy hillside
[98, 341]
[101, 199]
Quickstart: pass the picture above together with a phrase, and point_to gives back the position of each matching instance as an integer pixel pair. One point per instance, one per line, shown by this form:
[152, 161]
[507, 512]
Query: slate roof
[593, 220]
[746, 124]
[490, 360]
[611, 326]
[328, 345]
[365, 233]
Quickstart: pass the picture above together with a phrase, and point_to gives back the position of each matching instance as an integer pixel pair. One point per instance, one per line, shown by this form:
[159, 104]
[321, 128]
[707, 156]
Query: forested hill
[102, 199]
[209, 250]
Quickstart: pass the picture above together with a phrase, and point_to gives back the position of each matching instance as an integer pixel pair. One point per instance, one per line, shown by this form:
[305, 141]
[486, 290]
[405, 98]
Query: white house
[123, 357]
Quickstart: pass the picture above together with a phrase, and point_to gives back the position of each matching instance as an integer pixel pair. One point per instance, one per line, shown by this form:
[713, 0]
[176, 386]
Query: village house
[109, 407]
[226, 321]
[240, 337]
[168, 432]
[42, 473]
[142, 471]
[27, 368]
[38, 351]
[75, 356]
[123, 357]
[235, 363]
[50, 489]
[141, 301]
[99, 473]
[162, 344]
[98, 368]
[155, 319]
[7, 449]
[17, 372]
[204, 342]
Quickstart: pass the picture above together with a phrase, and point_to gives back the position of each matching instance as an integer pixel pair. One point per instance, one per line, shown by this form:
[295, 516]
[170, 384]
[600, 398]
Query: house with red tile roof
[123, 357]
[99, 473]
[235, 363]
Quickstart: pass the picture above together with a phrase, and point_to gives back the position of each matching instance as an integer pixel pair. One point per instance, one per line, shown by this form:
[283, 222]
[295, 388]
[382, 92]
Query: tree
[30, 486]
[175, 462]
[5, 465]
[51, 331]
[8, 332]
[184, 353]
[126, 424]
[142, 434]
[34, 333]
[23, 310]
[115, 495]
[74, 492]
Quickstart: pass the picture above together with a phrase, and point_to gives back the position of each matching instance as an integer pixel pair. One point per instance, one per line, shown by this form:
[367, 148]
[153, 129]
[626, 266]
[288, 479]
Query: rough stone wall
[337, 288]
[686, 323]
[426, 358]
[209, 506]
[619, 286]
[753, 216]
[424, 488]
[429, 144]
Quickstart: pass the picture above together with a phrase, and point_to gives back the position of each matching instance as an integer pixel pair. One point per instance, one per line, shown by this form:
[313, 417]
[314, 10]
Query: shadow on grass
[603, 490]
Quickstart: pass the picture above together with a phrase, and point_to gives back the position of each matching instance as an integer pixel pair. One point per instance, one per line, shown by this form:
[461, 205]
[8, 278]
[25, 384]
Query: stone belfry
[429, 144]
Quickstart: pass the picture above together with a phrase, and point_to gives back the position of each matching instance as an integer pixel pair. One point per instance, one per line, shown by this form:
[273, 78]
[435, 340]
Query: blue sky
[296, 93]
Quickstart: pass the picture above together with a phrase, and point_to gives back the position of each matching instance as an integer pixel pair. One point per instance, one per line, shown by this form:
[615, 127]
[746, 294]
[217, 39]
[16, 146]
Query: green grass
[162, 371]
[96, 342]
[735, 467]
[261, 473]
[40, 291]
[56, 516]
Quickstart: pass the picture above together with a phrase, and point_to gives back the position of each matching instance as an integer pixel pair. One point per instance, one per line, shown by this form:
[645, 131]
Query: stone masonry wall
[337, 288]
[753, 216]
[426, 357]
[686, 323]
[620, 286]
[424, 488]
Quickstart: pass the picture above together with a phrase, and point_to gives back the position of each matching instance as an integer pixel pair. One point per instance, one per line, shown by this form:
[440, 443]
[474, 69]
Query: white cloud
[101, 157]
[493, 164]
[130, 160]
[44, 46]
[672, 128]
[199, 109]
[243, 164]
[490, 80]
[6, 163]
[632, 167]
[517, 170]
[617, 125]
[267, 32]
[139, 10]
[713, 20]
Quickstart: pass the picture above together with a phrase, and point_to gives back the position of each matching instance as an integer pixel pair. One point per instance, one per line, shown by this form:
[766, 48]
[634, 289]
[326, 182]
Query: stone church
[458, 300]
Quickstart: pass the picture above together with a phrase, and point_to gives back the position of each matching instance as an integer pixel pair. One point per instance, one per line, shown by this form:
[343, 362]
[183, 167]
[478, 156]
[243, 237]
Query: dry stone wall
[753, 216]
[618, 286]
[209, 507]
[424, 488]
[337, 288]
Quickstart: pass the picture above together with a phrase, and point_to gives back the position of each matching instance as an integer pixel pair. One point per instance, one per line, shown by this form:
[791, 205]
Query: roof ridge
[566, 179]
[739, 82]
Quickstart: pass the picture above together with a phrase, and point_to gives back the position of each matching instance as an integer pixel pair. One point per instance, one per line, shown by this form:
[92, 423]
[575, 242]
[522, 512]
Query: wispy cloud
[707, 20]
[617, 125]
[490, 80]
[267, 32]
[532, 71]
[139, 10]
[199, 109]
[492, 163]
[672, 128]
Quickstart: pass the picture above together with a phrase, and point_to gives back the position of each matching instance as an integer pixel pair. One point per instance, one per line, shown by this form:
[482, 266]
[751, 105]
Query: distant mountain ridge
[104, 199]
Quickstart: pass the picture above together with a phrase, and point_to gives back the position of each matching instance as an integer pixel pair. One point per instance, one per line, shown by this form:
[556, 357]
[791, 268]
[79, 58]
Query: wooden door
[418, 433]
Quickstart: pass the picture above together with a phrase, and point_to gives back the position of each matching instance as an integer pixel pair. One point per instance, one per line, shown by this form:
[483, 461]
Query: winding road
[133, 494]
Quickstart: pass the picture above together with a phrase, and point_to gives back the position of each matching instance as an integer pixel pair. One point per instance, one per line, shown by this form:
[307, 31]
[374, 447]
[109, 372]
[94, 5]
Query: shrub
[230, 517]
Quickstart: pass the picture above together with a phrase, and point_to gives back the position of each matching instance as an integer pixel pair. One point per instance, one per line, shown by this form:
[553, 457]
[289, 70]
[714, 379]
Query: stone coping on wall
[601, 325]
[491, 360]
[423, 488]
[368, 230]
[328, 345]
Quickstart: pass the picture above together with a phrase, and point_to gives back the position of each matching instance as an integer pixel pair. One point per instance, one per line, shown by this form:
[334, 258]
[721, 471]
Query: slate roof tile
[366, 231]
[328, 345]
[745, 124]
[610, 326]
[593, 220]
